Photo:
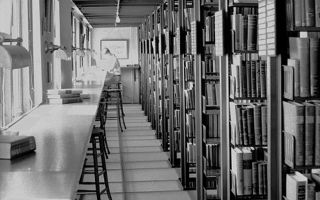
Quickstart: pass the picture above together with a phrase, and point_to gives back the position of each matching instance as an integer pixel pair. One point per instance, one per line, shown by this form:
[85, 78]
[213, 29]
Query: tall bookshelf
[300, 139]
[209, 184]
[179, 59]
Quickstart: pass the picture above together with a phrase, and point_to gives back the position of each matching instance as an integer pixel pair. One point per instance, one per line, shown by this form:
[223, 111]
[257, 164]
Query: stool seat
[112, 90]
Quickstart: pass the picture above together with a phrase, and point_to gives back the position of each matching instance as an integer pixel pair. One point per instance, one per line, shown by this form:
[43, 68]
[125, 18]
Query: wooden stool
[114, 97]
[95, 168]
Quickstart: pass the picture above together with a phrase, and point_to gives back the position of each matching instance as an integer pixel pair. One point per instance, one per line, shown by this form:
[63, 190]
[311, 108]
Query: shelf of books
[163, 57]
[174, 83]
[300, 103]
[207, 102]
[187, 95]
[250, 87]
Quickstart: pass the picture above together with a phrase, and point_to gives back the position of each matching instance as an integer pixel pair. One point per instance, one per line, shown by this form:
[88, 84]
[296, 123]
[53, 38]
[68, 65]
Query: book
[258, 82]
[248, 75]
[247, 171]
[255, 185]
[257, 124]
[250, 124]
[317, 135]
[303, 13]
[309, 133]
[295, 63]
[317, 13]
[295, 187]
[65, 100]
[310, 12]
[310, 190]
[243, 75]
[264, 124]
[260, 178]
[252, 32]
[236, 123]
[297, 13]
[244, 117]
[314, 65]
[12, 146]
[293, 122]
[263, 77]
[254, 59]
[299, 49]
[64, 91]
[237, 168]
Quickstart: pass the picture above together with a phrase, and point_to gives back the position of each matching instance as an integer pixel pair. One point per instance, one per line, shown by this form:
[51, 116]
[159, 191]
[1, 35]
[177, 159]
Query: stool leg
[122, 113]
[105, 174]
[106, 142]
[118, 112]
[96, 173]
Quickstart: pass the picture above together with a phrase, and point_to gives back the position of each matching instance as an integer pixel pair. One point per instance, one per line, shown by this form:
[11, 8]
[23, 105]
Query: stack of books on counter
[64, 96]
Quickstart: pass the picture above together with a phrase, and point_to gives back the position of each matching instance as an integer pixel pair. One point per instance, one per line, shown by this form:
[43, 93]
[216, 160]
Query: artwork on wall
[117, 47]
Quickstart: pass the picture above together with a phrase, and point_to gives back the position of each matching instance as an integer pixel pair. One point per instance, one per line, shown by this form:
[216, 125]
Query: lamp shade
[14, 57]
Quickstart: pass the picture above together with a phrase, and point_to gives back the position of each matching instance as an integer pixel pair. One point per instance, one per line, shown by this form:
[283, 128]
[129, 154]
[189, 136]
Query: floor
[138, 169]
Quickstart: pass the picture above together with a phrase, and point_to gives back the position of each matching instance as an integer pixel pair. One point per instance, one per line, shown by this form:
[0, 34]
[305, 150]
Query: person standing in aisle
[114, 75]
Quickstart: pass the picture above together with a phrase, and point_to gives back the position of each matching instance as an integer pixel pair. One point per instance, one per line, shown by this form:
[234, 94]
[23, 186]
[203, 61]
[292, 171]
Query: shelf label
[194, 42]
[219, 21]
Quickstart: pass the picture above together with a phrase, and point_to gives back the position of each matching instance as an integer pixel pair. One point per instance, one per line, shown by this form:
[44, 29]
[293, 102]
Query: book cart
[300, 98]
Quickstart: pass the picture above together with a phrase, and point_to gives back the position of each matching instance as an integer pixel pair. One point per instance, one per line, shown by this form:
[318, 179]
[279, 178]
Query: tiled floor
[138, 169]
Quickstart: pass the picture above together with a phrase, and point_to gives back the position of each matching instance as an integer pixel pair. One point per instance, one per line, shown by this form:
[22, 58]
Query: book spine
[263, 78]
[257, 125]
[248, 75]
[258, 82]
[260, 178]
[303, 12]
[239, 125]
[317, 13]
[317, 135]
[297, 13]
[304, 54]
[265, 178]
[264, 124]
[309, 12]
[244, 76]
[309, 134]
[253, 78]
[314, 64]
[244, 126]
[245, 31]
[252, 32]
[255, 182]
[250, 125]
[247, 173]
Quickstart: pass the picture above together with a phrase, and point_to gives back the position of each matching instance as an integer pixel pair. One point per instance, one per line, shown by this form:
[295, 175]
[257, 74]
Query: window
[16, 86]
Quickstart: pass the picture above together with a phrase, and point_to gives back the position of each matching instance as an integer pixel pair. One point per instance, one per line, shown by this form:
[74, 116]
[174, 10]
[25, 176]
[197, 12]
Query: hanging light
[118, 18]
[117, 13]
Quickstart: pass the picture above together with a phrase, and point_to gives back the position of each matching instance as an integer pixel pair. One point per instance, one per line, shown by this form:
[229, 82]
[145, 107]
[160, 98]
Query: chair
[95, 169]
[113, 96]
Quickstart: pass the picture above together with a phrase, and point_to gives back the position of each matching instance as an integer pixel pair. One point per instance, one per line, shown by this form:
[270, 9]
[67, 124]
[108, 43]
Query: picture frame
[118, 47]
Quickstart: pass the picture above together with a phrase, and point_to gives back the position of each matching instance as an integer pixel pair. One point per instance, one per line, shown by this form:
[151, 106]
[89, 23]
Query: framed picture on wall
[117, 47]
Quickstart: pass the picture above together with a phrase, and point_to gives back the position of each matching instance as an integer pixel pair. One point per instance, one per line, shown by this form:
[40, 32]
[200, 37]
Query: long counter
[62, 134]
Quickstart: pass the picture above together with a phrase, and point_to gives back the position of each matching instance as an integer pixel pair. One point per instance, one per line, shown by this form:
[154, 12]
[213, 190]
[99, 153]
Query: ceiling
[102, 13]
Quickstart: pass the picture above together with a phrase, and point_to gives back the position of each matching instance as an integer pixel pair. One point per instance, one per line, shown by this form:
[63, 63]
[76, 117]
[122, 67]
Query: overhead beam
[112, 25]
[86, 3]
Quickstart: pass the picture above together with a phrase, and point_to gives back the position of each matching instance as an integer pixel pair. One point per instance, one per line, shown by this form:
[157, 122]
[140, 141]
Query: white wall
[129, 33]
